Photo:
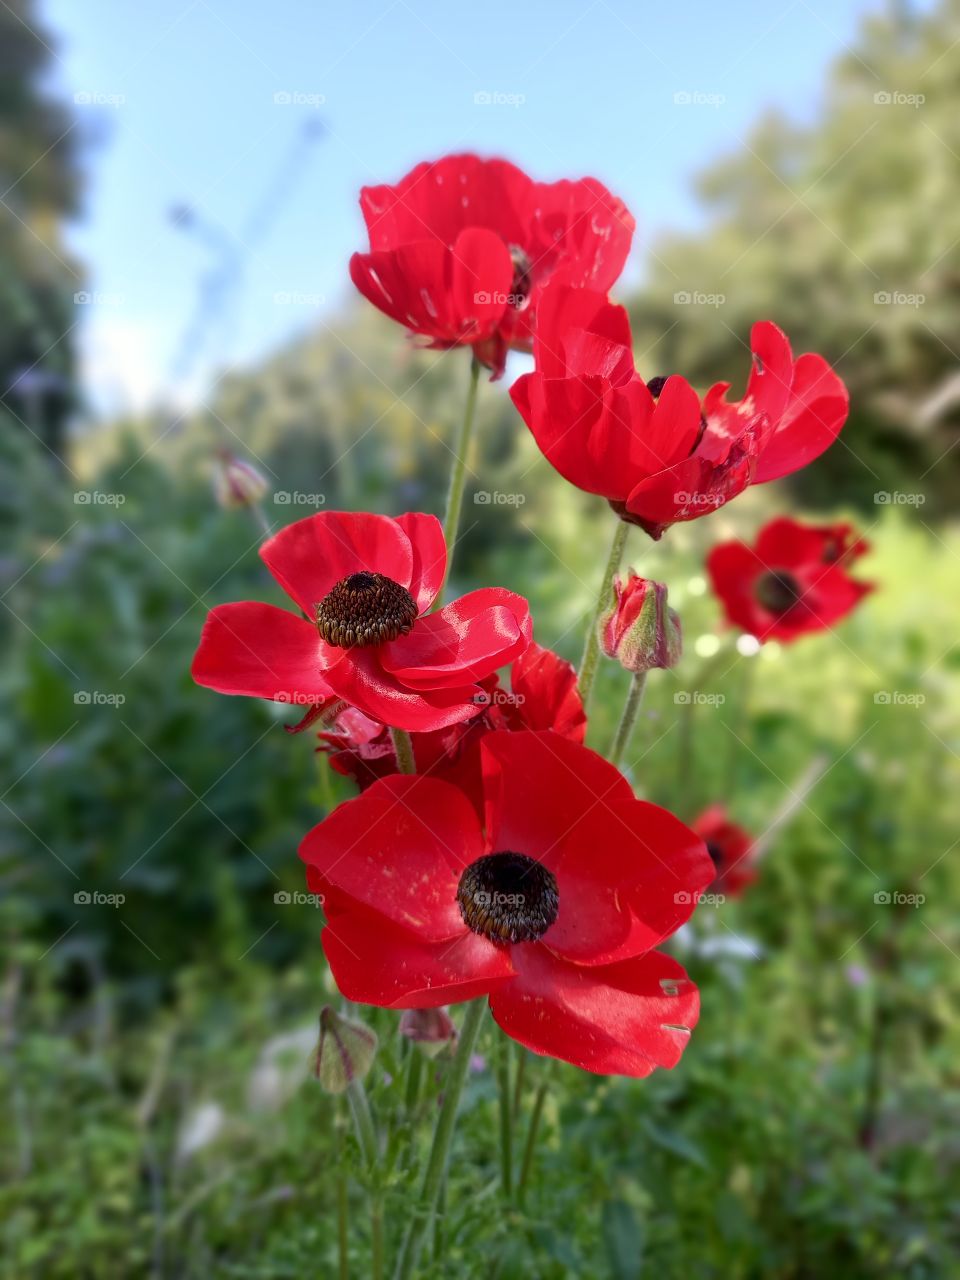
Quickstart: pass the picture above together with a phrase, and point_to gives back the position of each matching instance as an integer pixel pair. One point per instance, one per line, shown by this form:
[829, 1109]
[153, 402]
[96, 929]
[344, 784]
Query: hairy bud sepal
[638, 629]
[345, 1051]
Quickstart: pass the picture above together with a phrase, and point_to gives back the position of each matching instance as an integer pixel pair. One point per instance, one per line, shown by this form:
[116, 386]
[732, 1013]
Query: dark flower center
[778, 590]
[716, 853]
[522, 278]
[364, 609]
[508, 897]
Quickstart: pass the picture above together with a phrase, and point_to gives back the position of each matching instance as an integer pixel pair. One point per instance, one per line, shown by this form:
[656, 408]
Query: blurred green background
[157, 1119]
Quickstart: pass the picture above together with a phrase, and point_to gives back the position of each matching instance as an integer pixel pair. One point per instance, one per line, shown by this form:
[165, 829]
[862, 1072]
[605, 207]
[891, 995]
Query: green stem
[433, 1175]
[591, 649]
[532, 1132]
[414, 1075]
[403, 746]
[458, 472]
[343, 1237]
[631, 710]
[506, 1111]
[523, 1056]
[367, 1138]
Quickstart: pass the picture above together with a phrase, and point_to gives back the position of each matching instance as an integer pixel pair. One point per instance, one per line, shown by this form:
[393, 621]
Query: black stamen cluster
[365, 609]
[508, 897]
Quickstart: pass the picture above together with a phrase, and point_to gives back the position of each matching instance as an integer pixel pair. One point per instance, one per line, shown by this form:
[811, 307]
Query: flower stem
[414, 1075]
[631, 709]
[532, 1132]
[403, 747]
[429, 1192]
[506, 1112]
[591, 649]
[458, 472]
[343, 1252]
[369, 1147]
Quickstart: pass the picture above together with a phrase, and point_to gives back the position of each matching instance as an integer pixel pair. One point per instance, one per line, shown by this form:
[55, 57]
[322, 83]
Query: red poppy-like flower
[730, 847]
[364, 583]
[652, 449]
[543, 695]
[791, 583]
[552, 907]
[461, 248]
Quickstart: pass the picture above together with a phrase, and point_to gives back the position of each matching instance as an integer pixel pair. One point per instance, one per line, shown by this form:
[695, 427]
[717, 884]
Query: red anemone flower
[730, 847]
[552, 907]
[652, 449]
[789, 584]
[461, 247]
[543, 694]
[364, 583]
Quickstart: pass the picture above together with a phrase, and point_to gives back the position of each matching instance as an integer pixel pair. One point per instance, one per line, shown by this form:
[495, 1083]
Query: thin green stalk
[458, 472]
[591, 649]
[343, 1235]
[631, 709]
[367, 1138]
[414, 1076]
[523, 1057]
[532, 1133]
[403, 746]
[502, 1051]
[433, 1175]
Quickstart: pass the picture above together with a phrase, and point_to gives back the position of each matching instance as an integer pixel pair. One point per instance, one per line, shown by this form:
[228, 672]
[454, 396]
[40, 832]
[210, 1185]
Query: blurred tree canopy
[847, 234]
[40, 184]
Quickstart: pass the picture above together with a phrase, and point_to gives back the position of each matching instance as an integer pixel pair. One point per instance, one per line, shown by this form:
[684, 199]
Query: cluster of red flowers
[513, 862]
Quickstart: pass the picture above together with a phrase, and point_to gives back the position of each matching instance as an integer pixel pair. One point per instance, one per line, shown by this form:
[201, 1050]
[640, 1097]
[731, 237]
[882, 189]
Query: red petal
[811, 421]
[400, 848]
[464, 641]
[545, 688]
[360, 678]
[261, 651]
[376, 962]
[310, 556]
[429, 556]
[620, 1019]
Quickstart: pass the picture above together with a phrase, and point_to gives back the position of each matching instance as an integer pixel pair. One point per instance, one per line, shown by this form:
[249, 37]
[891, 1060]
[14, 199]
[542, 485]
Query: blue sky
[184, 96]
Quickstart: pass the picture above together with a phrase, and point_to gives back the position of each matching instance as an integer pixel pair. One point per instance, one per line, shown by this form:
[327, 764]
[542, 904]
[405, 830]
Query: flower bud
[237, 483]
[638, 629]
[431, 1029]
[344, 1052]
